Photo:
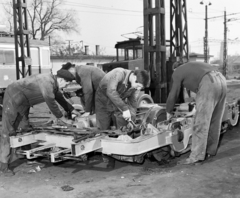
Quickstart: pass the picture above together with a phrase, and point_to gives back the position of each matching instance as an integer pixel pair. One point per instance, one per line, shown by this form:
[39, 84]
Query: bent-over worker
[210, 88]
[89, 78]
[19, 97]
[118, 91]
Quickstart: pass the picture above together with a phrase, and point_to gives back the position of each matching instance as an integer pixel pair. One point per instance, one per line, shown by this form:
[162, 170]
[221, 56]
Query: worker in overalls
[19, 97]
[89, 78]
[118, 92]
[210, 88]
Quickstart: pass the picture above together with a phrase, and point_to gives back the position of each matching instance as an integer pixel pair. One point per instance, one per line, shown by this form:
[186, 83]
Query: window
[35, 57]
[45, 57]
[2, 58]
[7, 57]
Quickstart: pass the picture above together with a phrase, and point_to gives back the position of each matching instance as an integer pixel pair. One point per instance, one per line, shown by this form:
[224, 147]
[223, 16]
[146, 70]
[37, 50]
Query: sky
[103, 22]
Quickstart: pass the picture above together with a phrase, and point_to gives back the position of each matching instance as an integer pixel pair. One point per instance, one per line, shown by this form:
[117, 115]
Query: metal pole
[225, 46]
[69, 47]
[206, 36]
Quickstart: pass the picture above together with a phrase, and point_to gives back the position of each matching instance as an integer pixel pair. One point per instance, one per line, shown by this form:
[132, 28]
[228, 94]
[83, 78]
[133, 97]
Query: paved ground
[219, 177]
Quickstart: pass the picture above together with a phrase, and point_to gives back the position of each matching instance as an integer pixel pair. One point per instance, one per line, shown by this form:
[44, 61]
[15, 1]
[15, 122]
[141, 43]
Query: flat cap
[65, 74]
[67, 66]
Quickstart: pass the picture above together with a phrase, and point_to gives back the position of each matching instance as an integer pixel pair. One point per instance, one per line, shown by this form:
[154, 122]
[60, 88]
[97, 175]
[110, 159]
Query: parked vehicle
[40, 55]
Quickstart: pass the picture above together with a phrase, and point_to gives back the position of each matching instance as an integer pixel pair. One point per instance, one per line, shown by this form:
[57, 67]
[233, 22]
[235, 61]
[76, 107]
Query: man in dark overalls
[118, 93]
[89, 78]
[211, 89]
[19, 97]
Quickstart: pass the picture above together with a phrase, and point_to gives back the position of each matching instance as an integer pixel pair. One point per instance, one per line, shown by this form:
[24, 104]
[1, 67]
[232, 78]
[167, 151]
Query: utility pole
[205, 39]
[225, 46]
[69, 47]
[206, 36]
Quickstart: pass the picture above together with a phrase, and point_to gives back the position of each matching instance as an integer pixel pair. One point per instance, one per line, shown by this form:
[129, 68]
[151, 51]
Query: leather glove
[66, 121]
[85, 114]
[169, 116]
[126, 115]
[75, 112]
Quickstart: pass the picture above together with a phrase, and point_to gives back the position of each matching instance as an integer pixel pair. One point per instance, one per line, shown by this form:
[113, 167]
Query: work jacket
[116, 90]
[39, 88]
[188, 75]
[89, 78]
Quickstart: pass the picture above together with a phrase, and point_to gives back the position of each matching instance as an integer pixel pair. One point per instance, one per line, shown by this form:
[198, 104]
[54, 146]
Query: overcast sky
[102, 22]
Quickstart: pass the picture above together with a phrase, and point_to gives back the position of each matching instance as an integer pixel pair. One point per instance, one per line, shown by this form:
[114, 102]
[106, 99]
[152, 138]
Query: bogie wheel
[144, 99]
[233, 111]
[162, 154]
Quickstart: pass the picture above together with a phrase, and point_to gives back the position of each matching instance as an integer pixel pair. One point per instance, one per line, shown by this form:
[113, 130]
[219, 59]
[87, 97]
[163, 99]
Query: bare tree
[47, 17]
[8, 16]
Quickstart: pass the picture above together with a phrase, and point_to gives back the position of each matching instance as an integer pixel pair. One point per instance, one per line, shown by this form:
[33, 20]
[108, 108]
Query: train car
[129, 55]
[40, 55]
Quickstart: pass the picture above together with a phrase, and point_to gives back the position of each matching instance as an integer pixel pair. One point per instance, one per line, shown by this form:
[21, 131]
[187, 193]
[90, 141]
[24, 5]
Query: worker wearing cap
[89, 78]
[210, 88]
[19, 97]
[119, 91]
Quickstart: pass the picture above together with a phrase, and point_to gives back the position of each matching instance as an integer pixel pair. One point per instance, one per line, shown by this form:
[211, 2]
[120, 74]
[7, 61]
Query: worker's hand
[126, 115]
[85, 114]
[169, 116]
[75, 112]
[66, 121]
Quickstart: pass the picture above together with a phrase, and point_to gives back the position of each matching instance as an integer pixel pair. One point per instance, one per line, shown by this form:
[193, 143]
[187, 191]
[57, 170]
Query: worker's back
[190, 74]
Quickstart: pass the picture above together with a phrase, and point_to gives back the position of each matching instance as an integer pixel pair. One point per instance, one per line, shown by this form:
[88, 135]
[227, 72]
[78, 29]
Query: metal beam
[155, 47]
[21, 36]
[178, 30]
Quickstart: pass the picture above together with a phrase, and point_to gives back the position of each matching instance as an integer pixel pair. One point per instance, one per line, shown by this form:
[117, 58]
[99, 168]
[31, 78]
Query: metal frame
[179, 49]
[155, 46]
[21, 36]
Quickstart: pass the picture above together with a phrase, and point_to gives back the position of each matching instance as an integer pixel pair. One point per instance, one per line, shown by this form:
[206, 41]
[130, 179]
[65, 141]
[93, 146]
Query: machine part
[163, 153]
[137, 158]
[144, 99]
[177, 140]
[81, 122]
[233, 113]
[37, 152]
[78, 107]
[137, 146]
[56, 154]
[155, 115]
[86, 146]
[76, 140]
[22, 140]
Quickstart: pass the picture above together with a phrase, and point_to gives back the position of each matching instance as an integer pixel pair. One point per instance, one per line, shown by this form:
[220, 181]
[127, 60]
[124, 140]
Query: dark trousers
[106, 112]
[15, 106]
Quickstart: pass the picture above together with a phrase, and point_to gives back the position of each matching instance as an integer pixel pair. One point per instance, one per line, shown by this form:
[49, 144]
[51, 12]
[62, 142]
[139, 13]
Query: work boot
[5, 171]
[190, 161]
